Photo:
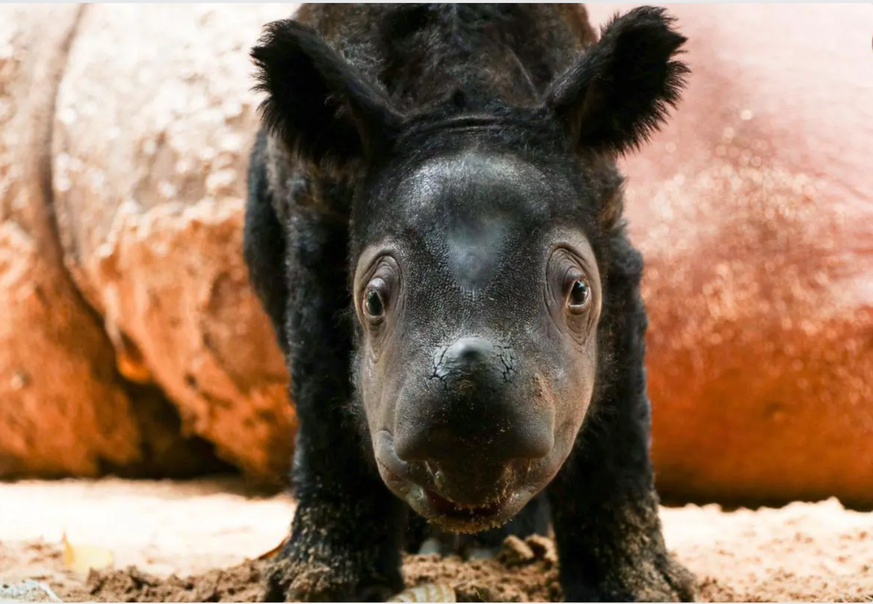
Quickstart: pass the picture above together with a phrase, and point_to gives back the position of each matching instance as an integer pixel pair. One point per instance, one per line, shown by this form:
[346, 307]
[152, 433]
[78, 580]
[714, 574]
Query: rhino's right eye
[379, 293]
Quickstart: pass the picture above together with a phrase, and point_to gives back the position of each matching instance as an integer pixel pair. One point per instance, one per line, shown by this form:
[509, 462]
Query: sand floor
[801, 552]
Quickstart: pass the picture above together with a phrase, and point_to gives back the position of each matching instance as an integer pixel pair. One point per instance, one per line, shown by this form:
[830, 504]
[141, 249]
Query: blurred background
[131, 343]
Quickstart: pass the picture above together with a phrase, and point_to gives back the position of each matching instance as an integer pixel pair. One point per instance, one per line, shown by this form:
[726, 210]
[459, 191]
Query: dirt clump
[515, 552]
[524, 570]
[241, 583]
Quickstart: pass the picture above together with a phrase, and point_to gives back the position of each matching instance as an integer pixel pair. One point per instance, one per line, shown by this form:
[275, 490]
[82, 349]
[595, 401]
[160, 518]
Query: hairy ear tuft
[620, 91]
[318, 103]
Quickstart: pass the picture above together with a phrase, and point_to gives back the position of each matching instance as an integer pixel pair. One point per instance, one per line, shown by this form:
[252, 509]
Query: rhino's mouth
[460, 511]
[462, 518]
[415, 485]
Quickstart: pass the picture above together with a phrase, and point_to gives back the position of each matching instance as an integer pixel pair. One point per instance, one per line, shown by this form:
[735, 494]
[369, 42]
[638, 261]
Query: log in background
[131, 343]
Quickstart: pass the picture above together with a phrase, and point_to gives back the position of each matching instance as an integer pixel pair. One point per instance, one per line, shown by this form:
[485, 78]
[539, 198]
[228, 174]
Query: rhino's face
[477, 352]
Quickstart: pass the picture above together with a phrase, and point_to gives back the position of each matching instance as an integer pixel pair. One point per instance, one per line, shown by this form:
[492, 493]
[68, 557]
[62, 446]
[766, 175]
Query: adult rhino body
[434, 225]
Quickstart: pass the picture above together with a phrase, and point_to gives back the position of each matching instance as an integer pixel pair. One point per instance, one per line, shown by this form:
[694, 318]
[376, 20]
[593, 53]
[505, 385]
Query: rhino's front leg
[345, 535]
[604, 505]
[610, 545]
[341, 549]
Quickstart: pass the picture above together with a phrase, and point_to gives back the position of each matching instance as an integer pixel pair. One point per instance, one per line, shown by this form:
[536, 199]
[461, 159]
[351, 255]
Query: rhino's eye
[373, 306]
[580, 296]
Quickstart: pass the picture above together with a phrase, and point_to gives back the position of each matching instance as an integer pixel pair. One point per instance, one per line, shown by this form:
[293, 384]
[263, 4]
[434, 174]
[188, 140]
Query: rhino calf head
[468, 229]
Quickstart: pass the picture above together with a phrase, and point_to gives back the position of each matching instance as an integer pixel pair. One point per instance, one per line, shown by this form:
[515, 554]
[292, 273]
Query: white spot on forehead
[474, 250]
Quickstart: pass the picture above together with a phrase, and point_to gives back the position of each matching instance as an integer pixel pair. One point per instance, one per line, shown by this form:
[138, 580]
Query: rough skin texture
[310, 167]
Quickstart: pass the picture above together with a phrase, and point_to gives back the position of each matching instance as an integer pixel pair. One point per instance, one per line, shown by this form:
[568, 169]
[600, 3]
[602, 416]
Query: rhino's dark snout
[473, 414]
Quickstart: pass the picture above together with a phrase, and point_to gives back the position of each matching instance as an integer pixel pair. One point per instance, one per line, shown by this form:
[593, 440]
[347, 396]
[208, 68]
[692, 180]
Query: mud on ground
[198, 541]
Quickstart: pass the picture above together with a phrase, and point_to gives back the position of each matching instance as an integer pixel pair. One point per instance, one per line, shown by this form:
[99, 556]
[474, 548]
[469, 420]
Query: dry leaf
[82, 558]
[272, 553]
[429, 592]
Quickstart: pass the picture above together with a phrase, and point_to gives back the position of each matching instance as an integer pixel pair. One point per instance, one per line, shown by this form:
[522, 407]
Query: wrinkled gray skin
[478, 373]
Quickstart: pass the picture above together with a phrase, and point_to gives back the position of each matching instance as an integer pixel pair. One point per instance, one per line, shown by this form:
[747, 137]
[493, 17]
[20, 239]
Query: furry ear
[619, 92]
[318, 103]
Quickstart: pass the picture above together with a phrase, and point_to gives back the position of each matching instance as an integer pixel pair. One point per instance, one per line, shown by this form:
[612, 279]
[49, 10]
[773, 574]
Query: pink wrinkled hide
[754, 211]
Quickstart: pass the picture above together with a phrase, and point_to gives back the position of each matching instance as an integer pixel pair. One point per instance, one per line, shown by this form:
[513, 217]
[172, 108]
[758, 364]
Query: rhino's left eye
[580, 296]
[375, 300]
[373, 306]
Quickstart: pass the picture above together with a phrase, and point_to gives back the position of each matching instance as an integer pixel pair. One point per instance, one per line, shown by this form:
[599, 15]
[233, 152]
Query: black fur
[619, 93]
[264, 243]
[318, 104]
[357, 100]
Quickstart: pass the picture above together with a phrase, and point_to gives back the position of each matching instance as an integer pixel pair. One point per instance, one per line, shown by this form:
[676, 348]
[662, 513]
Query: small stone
[515, 552]
[543, 548]
[430, 547]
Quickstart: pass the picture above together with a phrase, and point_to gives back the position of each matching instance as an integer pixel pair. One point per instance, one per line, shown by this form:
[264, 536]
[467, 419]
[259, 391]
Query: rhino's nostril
[439, 479]
[464, 385]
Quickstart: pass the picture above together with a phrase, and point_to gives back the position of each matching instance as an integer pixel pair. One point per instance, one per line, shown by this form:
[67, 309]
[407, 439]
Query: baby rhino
[434, 226]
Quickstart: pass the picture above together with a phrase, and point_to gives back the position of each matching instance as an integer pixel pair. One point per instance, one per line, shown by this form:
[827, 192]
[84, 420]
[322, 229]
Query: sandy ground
[801, 552]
